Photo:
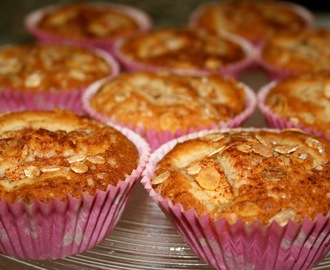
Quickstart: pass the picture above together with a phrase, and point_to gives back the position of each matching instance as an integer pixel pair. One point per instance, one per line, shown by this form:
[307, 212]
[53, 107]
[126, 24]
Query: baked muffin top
[166, 101]
[49, 67]
[53, 154]
[299, 51]
[182, 48]
[82, 20]
[249, 175]
[303, 100]
[250, 19]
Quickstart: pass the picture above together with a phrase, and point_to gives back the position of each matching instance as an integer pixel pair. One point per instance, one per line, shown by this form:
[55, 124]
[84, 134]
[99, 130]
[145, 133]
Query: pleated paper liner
[272, 72]
[276, 121]
[304, 13]
[240, 246]
[19, 100]
[156, 138]
[234, 69]
[32, 20]
[43, 231]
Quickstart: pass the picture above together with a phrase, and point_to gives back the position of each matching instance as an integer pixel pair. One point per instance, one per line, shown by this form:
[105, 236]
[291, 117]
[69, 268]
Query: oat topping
[166, 101]
[262, 150]
[32, 172]
[299, 52]
[60, 153]
[88, 21]
[194, 169]
[249, 175]
[189, 49]
[160, 178]
[302, 100]
[46, 67]
[96, 159]
[79, 167]
[286, 149]
[253, 20]
[50, 169]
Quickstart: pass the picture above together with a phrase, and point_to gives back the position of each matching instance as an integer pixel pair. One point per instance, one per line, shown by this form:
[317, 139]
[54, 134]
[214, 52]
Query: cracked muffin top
[249, 175]
[181, 48]
[303, 100]
[299, 52]
[77, 21]
[53, 154]
[251, 19]
[167, 101]
[50, 67]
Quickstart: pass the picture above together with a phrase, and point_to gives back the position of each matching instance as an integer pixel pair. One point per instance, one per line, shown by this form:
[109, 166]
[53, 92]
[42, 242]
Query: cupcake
[65, 180]
[255, 21]
[40, 76]
[296, 52]
[246, 198]
[184, 50]
[301, 101]
[161, 106]
[90, 24]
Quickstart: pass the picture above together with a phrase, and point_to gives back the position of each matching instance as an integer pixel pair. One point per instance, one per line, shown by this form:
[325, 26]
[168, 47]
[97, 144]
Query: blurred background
[164, 13]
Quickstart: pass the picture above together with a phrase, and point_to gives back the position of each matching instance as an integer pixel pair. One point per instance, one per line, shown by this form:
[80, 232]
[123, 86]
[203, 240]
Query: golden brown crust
[182, 48]
[303, 100]
[88, 21]
[253, 20]
[46, 155]
[299, 51]
[249, 175]
[49, 67]
[169, 102]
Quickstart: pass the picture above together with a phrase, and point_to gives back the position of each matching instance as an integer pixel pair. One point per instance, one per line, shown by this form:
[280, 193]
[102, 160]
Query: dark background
[163, 12]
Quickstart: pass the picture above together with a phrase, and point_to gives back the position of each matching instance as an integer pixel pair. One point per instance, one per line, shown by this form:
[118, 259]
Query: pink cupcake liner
[59, 229]
[231, 70]
[16, 100]
[239, 246]
[276, 73]
[304, 13]
[276, 121]
[273, 73]
[156, 138]
[32, 20]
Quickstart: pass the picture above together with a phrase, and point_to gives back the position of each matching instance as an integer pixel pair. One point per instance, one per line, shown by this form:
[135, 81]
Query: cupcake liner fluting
[157, 138]
[32, 20]
[43, 231]
[47, 99]
[303, 12]
[234, 69]
[239, 246]
[274, 120]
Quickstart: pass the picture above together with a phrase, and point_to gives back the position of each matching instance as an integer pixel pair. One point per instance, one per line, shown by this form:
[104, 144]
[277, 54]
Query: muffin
[160, 106]
[184, 50]
[42, 76]
[65, 180]
[296, 52]
[91, 24]
[255, 21]
[301, 101]
[246, 198]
